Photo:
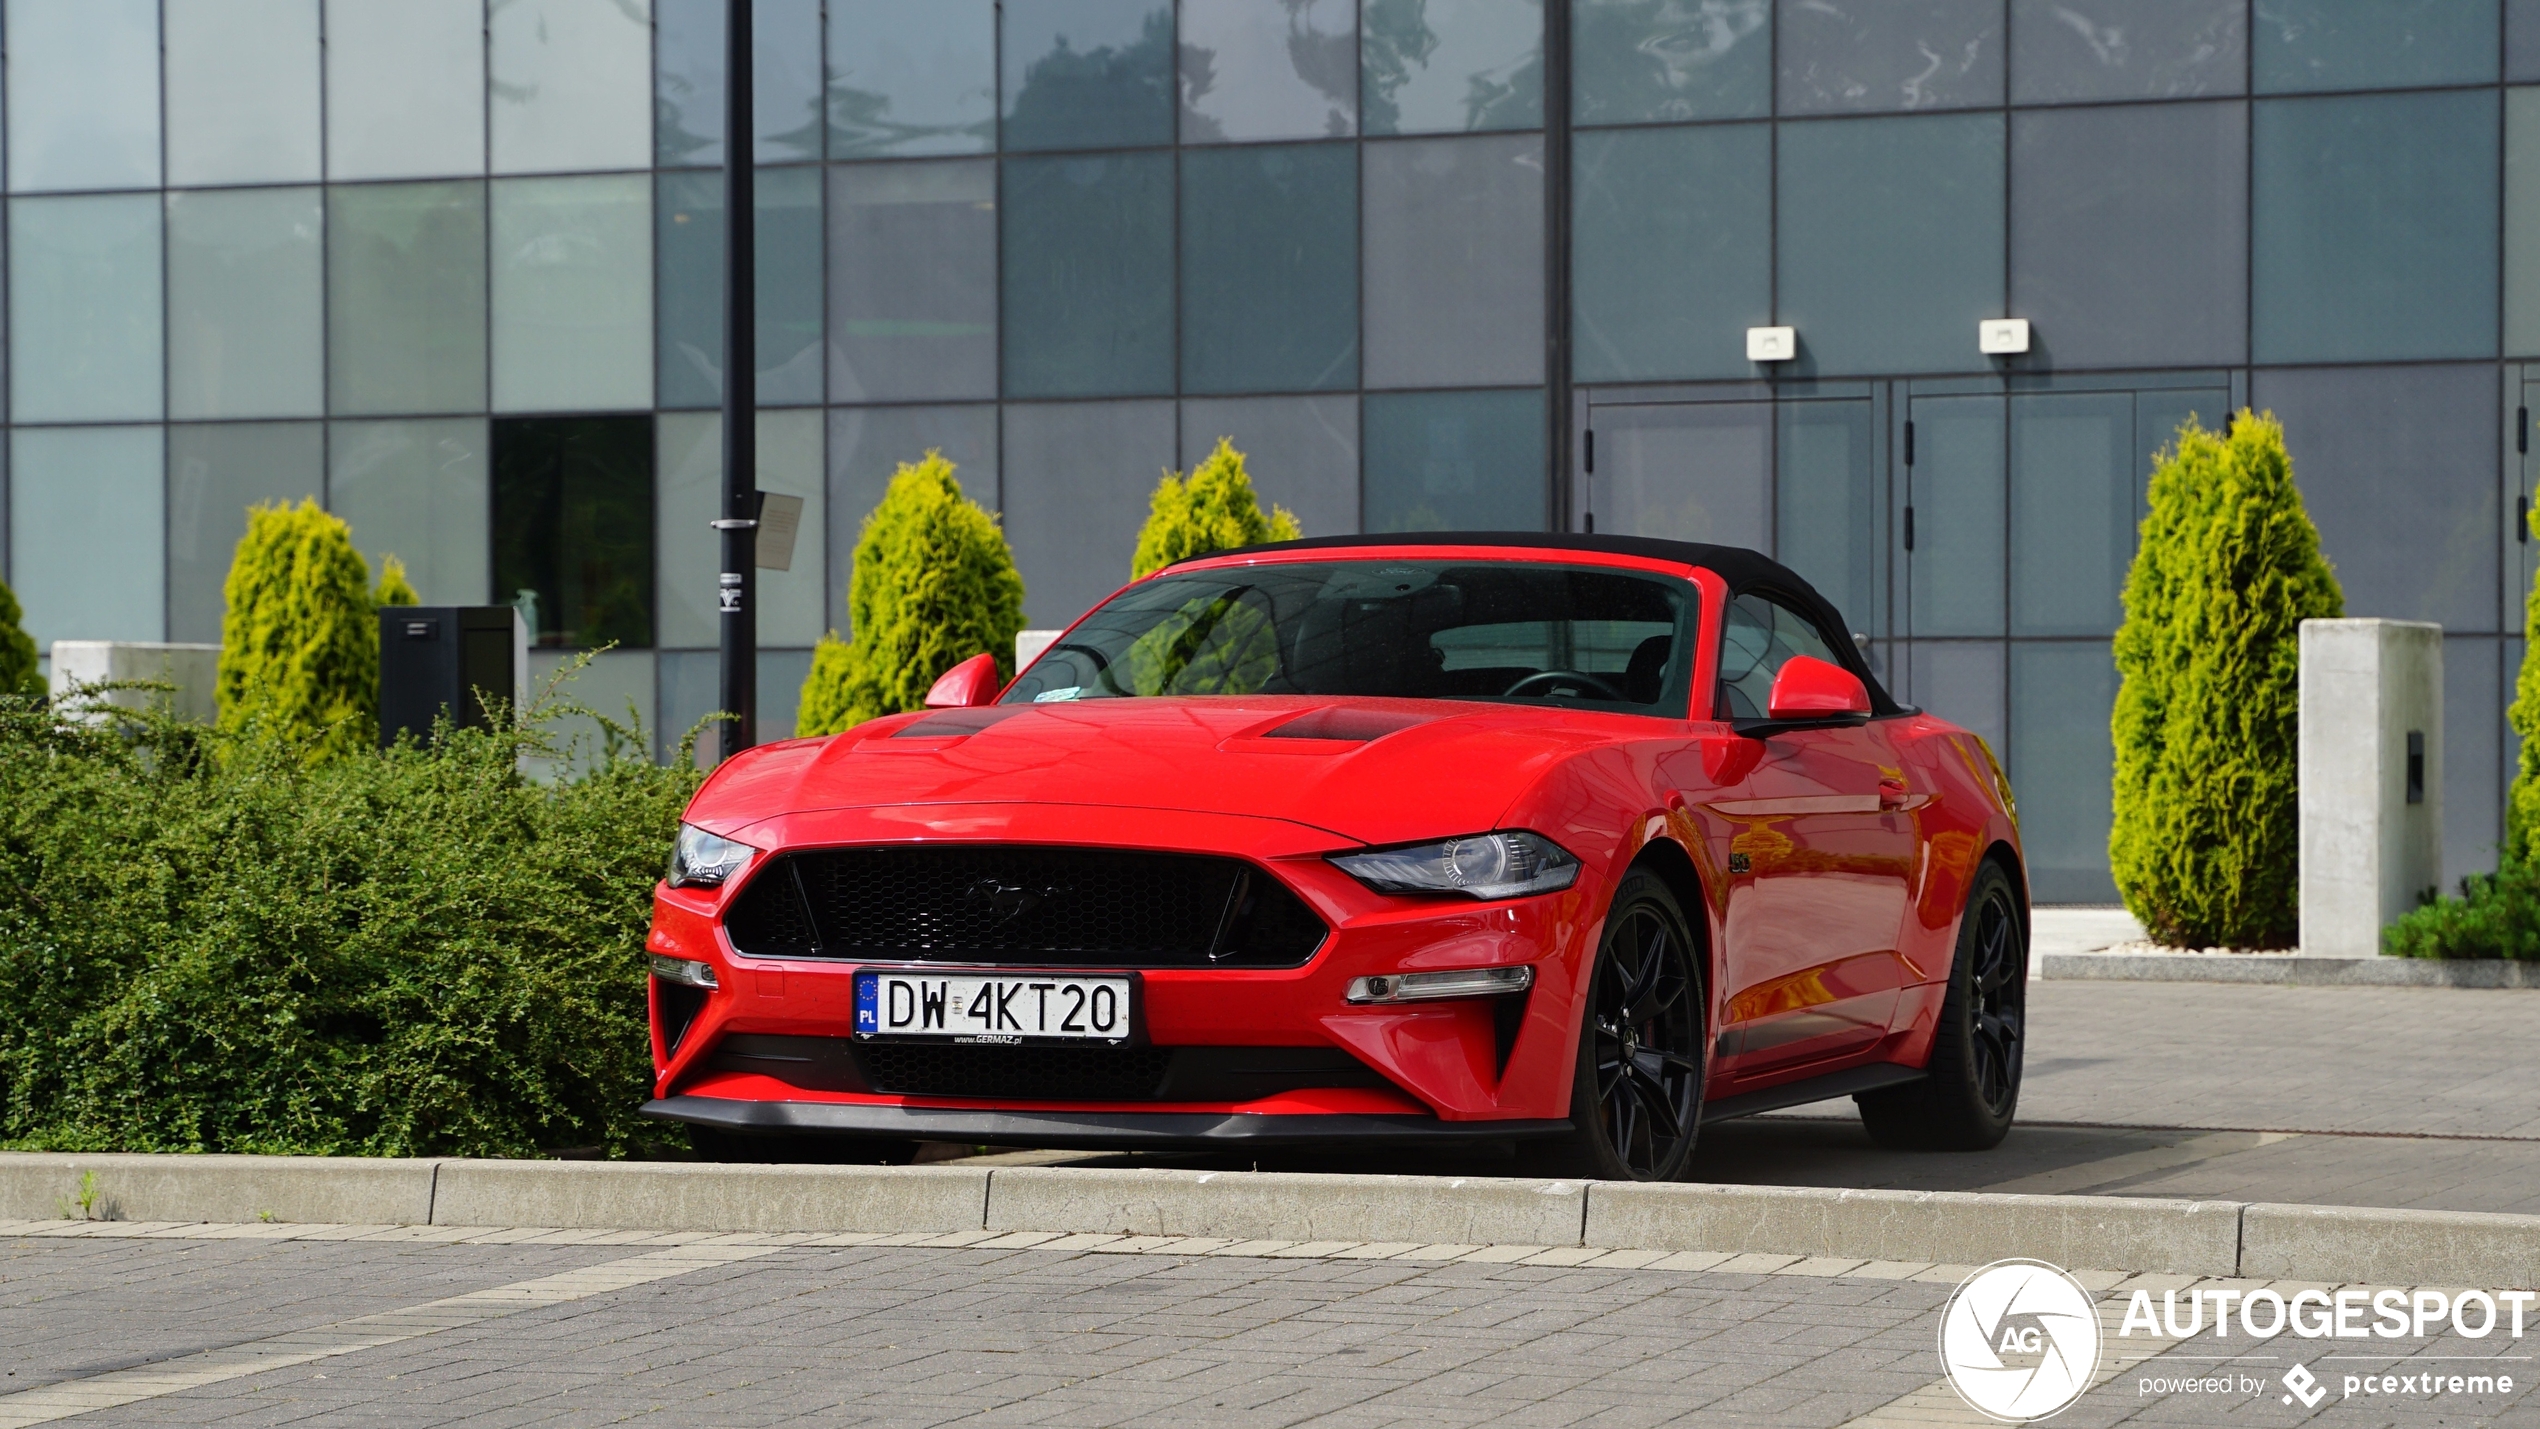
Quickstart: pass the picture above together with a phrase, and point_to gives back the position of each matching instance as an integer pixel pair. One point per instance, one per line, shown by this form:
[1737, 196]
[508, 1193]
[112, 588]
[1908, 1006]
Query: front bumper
[1085, 1130]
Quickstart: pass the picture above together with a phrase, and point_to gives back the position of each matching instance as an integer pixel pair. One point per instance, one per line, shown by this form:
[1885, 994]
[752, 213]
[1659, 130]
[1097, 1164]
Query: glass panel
[2076, 498]
[1891, 240]
[617, 683]
[405, 312]
[2129, 234]
[2158, 415]
[416, 491]
[242, 91]
[246, 304]
[571, 84]
[84, 341]
[2474, 696]
[83, 94]
[2371, 44]
[573, 528]
[1255, 71]
[1270, 268]
[1088, 74]
[913, 281]
[1454, 262]
[2522, 221]
[405, 88]
[1954, 571]
[692, 685]
[784, 81]
[867, 444]
[2522, 40]
[2061, 764]
[1088, 270]
[1959, 680]
[214, 474]
[1868, 56]
[1301, 452]
[1759, 635]
[2066, 50]
[912, 77]
[1672, 258]
[2375, 228]
[791, 602]
[1685, 471]
[87, 539]
[1078, 476]
[1651, 61]
[573, 311]
[1455, 461]
[2422, 548]
[689, 225]
[1827, 507]
[1442, 66]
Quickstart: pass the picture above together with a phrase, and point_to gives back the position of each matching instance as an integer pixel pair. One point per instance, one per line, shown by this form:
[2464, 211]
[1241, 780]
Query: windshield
[1480, 630]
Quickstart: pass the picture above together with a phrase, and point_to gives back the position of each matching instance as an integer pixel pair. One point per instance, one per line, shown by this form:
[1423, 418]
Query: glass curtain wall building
[452, 268]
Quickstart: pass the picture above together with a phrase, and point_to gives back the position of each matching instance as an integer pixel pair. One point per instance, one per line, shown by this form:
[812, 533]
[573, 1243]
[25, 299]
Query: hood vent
[1344, 722]
[953, 724]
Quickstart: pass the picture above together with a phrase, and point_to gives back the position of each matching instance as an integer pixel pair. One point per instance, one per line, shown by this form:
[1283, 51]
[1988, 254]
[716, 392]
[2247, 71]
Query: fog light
[1429, 987]
[683, 970]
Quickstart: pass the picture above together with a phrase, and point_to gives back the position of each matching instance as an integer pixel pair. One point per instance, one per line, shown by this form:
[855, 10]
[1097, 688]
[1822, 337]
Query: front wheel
[1967, 1100]
[1636, 1101]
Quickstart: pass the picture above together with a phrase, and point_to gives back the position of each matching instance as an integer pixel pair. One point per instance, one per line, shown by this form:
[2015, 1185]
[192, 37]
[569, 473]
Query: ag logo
[2020, 1340]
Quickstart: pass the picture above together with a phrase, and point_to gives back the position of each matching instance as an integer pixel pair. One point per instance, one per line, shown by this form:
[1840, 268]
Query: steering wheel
[1555, 677]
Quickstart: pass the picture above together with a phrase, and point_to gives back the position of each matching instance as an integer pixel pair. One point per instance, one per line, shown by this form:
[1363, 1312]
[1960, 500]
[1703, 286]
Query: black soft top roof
[1744, 570]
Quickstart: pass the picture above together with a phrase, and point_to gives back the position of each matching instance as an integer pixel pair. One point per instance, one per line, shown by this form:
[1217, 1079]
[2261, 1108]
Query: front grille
[1042, 1073]
[1091, 1074]
[1022, 905]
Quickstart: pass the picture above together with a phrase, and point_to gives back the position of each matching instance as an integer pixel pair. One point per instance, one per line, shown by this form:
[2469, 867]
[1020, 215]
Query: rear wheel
[1967, 1101]
[1636, 1101]
[715, 1144]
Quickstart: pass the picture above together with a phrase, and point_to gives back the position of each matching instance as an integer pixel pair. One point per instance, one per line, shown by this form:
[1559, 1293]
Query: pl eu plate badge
[867, 1017]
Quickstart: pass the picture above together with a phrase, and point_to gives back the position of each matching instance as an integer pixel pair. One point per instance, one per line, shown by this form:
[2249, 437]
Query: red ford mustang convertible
[1573, 841]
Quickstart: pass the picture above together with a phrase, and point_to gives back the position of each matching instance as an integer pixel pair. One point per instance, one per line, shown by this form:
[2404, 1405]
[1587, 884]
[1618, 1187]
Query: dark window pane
[2075, 496]
[867, 444]
[1078, 477]
[1671, 259]
[1270, 268]
[215, 472]
[908, 79]
[2374, 228]
[1301, 452]
[2300, 45]
[573, 527]
[1953, 575]
[2130, 234]
[2065, 50]
[688, 80]
[1684, 471]
[1087, 74]
[913, 281]
[2522, 40]
[1454, 261]
[1255, 71]
[1088, 270]
[1869, 56]
[1958, 680]
[1444, 66]
[689, 247]
[1650, 61]
[405, 287]
[2061, 763]
[2397, 466]
[1828, 507]
[1891, 241]
[1454, 461]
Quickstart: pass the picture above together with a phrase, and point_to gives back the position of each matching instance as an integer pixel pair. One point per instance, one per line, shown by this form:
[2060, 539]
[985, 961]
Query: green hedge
[212, 942]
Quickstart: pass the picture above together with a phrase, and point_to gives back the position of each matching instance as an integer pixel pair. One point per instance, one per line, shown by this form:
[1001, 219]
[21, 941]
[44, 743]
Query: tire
[1968, 1100]
[1636, 1100]
[715, 1144]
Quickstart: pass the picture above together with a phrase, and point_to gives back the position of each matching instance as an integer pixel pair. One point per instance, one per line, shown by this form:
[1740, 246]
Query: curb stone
[2292, 970]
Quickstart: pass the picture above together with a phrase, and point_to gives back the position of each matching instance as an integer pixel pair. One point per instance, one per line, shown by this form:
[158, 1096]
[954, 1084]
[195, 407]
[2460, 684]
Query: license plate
[1026, 1007]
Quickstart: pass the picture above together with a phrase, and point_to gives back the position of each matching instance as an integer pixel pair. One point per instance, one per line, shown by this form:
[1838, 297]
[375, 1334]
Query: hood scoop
[955, 724]
[1342, 722]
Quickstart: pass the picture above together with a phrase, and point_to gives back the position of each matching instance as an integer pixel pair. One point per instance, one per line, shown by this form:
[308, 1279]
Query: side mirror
[967, 685]
[1809, 689]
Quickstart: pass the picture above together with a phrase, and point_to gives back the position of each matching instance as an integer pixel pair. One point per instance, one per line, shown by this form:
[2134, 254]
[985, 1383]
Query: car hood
[1370, 770]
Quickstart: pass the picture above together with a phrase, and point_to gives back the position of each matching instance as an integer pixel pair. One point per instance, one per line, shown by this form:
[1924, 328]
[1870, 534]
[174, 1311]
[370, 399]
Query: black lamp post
[736, 587]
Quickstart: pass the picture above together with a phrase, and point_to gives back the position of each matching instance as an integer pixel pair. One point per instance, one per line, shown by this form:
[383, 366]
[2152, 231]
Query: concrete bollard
[193, 669]
[2371, 768]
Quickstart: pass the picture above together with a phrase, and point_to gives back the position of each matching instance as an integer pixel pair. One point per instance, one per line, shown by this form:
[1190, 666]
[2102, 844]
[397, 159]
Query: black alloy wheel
[1636, 1105]
[1967, 1101]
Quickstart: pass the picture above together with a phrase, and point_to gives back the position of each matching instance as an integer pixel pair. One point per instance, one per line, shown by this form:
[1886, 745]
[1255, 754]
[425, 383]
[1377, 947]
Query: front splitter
[1084, 1130]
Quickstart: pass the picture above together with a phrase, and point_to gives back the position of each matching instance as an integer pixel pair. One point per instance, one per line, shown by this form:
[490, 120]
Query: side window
[1757, 635]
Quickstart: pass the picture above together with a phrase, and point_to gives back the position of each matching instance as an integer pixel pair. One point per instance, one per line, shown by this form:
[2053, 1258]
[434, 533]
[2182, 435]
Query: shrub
[2205, 843]
[1215, 510]
[394, 588]
[300, 640]
[934, 584]
[209, 943]
[18, 674]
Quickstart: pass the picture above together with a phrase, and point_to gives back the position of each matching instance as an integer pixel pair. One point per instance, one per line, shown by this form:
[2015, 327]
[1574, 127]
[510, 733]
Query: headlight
[1509, 865]
[702, 860]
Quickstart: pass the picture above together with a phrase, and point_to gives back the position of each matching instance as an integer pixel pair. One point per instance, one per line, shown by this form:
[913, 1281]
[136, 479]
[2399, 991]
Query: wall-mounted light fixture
[2002, 337]
[1772, 344]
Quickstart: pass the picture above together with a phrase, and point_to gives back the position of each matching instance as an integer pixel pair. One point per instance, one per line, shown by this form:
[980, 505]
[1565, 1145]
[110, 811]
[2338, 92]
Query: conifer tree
[18, 675]
[2205, 844]
[934, 584]
[300, 639]
[1215, 510]
[394, 588]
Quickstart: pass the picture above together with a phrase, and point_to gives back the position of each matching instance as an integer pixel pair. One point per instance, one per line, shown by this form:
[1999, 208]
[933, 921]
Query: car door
[1819, 863]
